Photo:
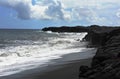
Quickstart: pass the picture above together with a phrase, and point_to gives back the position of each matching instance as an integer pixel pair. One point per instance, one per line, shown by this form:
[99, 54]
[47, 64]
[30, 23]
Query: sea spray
[30, 49]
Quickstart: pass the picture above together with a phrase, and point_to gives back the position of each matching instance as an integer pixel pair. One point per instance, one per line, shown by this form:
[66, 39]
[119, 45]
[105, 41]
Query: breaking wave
[21, 55]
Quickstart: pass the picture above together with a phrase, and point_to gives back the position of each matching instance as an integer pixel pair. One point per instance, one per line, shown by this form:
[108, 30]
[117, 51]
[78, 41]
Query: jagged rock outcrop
[97, 35]
[106, 62]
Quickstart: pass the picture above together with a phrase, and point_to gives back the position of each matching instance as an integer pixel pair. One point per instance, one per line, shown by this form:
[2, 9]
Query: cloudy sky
[44, 13]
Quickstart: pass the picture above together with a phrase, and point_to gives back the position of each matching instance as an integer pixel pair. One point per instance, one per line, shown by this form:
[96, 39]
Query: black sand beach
[67, 71]
[63, 70]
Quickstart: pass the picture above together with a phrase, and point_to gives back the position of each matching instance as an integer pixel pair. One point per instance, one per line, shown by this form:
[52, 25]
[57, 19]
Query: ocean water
[26, 49]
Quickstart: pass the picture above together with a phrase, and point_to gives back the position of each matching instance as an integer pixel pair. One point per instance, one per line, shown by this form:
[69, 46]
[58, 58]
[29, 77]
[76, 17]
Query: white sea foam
[15, 59]
[49, 31]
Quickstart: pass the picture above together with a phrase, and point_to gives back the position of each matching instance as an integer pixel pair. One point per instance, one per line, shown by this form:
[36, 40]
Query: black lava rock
[106, 62]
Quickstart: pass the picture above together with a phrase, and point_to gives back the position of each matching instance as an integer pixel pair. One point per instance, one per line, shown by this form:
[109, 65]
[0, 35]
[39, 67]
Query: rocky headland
[106, 63]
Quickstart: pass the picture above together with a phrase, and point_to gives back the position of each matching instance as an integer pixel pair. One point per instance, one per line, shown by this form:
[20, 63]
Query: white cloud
[118, 13]
[22, 7]
[88, 3]
[92, 11]
[46, 9]
[81, 13]
[87, 14]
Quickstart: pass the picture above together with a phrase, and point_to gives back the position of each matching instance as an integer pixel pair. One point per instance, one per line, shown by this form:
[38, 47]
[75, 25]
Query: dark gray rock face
[106, 62]
[98, 35]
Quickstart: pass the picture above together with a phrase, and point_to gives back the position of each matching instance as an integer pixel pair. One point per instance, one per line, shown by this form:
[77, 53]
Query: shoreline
[65, 71]
[62, 68]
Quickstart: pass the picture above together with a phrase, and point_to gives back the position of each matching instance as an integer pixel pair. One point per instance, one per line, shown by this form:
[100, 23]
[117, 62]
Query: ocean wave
[30, 54]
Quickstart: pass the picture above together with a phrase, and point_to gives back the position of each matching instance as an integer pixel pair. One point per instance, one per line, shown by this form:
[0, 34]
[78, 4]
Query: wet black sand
[62, 69]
